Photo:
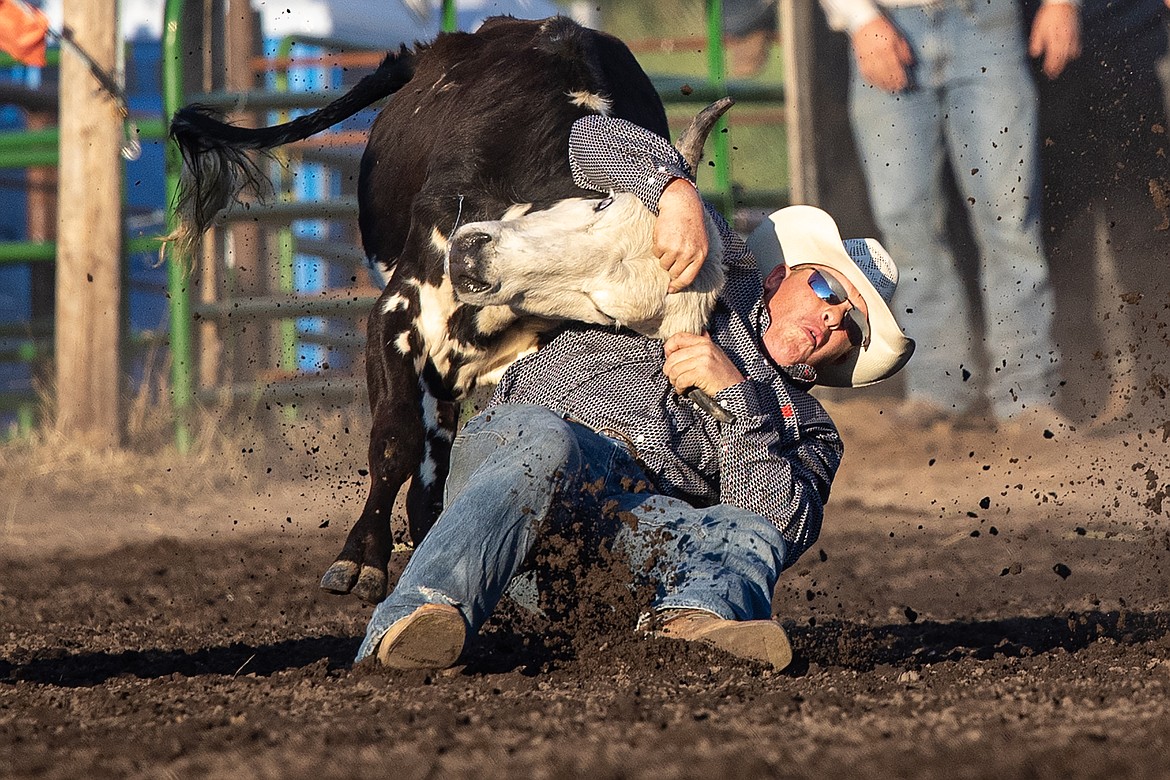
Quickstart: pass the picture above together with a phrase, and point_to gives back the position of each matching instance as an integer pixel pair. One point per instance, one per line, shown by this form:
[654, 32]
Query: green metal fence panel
[182, 359]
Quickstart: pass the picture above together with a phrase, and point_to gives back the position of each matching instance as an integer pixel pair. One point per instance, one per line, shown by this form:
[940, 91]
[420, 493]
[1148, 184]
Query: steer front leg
[396, 447]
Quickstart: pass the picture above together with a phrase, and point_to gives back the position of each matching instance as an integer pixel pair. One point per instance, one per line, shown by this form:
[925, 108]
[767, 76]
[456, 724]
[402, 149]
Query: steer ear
[690, 143]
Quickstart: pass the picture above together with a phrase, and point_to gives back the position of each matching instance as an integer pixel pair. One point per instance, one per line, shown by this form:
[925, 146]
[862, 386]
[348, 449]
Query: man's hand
[680, 235]
[1056, 35]
[696, 361]
[882, 55]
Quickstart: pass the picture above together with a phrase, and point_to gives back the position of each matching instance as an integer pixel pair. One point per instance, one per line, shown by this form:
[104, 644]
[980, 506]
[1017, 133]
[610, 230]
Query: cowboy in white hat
[594, 438]
[803, 241]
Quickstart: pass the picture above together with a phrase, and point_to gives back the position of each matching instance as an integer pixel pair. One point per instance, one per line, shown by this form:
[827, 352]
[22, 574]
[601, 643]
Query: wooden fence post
[795, 43]
[89, 228]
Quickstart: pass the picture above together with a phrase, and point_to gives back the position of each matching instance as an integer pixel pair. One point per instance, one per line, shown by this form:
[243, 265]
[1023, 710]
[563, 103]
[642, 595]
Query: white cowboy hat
[798, 235]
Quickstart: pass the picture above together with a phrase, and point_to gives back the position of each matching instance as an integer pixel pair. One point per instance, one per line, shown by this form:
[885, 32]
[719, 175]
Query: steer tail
[217, 168]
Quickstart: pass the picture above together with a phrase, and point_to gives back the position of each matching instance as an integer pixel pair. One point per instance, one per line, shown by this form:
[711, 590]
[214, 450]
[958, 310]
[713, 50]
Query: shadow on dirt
[838, 644]
[861, 647]
[90, 669]
[525, 653]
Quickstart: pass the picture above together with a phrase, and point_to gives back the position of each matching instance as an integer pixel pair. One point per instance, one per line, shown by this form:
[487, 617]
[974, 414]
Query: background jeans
[971, 99]
[514, 468]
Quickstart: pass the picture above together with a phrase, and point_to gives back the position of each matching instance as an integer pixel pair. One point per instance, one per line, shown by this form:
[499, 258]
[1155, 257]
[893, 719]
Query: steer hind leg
[396, 446]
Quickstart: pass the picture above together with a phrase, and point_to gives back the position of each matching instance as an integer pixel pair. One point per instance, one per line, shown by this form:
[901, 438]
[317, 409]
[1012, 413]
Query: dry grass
[230, 450]
[52, 463]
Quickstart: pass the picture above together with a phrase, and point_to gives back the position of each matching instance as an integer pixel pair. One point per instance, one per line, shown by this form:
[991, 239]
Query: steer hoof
[366, 582]
[340, 577]
[371, 585]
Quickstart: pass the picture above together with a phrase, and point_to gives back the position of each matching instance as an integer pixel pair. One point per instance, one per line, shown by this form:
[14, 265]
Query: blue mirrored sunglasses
[830, 290]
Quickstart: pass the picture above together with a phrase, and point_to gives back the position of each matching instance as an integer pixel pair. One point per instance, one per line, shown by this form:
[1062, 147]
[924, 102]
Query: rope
[131, 145]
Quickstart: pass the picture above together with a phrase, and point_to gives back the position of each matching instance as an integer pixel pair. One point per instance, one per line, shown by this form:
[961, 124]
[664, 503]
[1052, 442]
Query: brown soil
[977, 606]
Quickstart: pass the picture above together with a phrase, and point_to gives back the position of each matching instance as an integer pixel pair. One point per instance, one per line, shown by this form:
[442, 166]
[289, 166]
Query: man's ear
[773, 279]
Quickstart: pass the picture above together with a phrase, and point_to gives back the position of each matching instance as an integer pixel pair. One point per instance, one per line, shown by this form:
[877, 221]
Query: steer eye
[603, 204]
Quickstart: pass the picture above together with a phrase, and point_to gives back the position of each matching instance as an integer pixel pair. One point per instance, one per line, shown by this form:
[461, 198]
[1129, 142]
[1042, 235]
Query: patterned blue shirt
[780, 454]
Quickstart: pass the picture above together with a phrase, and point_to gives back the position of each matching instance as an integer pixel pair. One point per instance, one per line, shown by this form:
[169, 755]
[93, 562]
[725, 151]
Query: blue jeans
[971, 100]
[514, 468]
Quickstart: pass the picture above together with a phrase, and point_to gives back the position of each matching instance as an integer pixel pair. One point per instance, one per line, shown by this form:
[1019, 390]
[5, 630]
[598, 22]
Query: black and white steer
[476, 129]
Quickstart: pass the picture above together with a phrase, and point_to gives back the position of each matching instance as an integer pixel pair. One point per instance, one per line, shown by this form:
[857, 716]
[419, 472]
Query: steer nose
[471, 243]
[466, 250]
[465, 260]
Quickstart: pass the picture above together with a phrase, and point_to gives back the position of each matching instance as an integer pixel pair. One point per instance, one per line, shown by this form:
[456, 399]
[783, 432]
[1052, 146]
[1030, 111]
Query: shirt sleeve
[779, 460]
[608, 154]
[613, 155]
[849, 15]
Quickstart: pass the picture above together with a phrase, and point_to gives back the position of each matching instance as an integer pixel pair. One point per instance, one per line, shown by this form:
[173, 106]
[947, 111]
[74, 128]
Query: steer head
[588, 259]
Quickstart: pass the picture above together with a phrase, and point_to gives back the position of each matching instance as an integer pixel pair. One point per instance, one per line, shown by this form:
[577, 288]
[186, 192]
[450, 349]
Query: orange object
[22, 32]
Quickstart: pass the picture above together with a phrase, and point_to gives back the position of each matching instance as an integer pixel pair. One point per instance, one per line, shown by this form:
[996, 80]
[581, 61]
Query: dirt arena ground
[977, 606]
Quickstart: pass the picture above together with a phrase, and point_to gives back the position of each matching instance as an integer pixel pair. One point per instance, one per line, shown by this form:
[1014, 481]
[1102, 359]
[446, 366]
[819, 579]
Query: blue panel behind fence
[15, 280]
[144, 217]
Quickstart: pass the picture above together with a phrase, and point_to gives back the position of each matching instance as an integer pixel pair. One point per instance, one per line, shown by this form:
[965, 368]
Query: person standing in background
[1106, 171]
[749, 27]
[948, 80]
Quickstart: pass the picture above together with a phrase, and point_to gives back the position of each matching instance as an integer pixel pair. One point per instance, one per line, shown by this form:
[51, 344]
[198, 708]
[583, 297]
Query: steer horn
[690, 143]
[690, 146]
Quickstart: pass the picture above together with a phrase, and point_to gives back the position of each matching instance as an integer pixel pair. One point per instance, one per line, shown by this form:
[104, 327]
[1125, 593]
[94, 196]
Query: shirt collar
[801, 373]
